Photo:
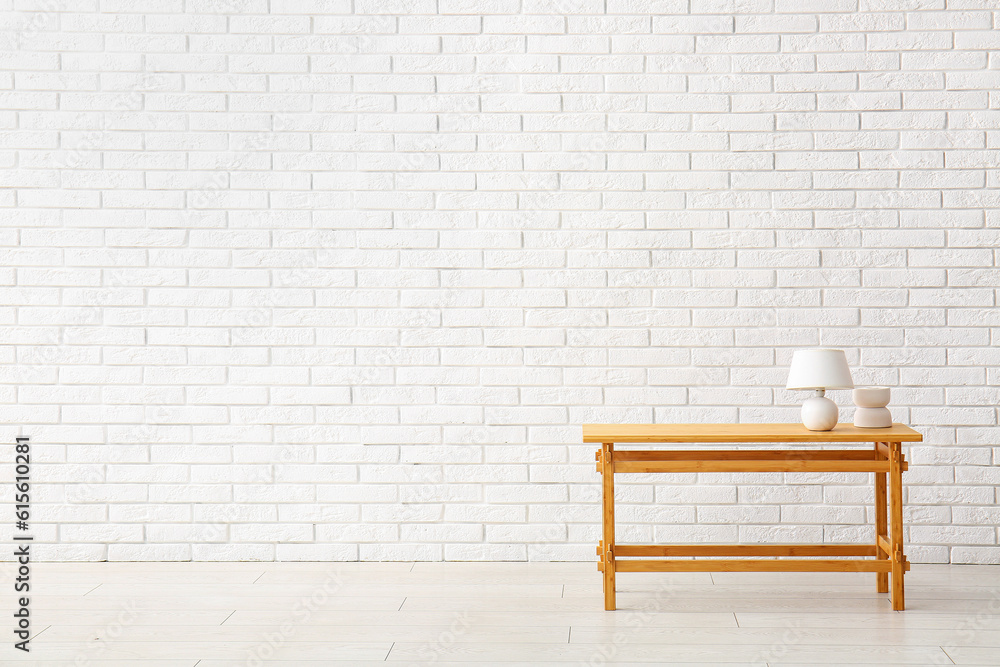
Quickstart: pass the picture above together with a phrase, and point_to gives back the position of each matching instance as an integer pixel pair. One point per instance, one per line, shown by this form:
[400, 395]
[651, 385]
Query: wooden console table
[884, 457]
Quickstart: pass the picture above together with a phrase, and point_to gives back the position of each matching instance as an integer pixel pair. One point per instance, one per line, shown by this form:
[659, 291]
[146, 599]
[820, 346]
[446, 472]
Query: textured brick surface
[335, 280]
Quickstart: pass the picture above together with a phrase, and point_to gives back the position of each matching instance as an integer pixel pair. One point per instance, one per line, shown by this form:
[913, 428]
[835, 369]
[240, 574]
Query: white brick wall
[324, 279]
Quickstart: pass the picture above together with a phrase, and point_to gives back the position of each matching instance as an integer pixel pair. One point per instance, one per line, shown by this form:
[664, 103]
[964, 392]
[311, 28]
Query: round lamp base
[819, 413]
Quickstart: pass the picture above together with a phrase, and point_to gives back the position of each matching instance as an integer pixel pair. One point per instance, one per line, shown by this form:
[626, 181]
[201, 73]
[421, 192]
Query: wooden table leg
[881, 526]
[896, 523]
[608, 495]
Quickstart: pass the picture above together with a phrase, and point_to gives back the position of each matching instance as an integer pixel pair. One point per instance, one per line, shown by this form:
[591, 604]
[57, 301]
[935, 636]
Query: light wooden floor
[215, 614]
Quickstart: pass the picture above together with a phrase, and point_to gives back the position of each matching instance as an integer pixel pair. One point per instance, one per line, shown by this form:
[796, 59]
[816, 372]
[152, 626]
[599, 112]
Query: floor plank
[330, 587]
[185, 650]
[489, 618]
[974, 655]
[459, 630]
[835, 654]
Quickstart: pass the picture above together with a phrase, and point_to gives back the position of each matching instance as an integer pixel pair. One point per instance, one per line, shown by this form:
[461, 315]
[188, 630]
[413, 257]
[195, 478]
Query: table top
[708, 433]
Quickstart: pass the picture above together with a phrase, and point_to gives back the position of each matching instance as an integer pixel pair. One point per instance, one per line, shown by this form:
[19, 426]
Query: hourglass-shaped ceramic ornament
[871, 412]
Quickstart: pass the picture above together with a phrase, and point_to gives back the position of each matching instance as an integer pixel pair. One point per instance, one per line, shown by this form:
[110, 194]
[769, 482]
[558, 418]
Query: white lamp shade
[820, 368]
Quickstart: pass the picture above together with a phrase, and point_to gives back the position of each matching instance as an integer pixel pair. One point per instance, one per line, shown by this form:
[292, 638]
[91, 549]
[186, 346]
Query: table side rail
[742, 550]
[839, 565]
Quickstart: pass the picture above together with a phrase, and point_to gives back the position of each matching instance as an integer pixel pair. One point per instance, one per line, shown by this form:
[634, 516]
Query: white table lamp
[818, 370]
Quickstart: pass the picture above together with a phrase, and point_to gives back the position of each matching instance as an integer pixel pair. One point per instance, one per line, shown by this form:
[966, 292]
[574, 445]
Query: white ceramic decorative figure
[818, 370]
[871, 412]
